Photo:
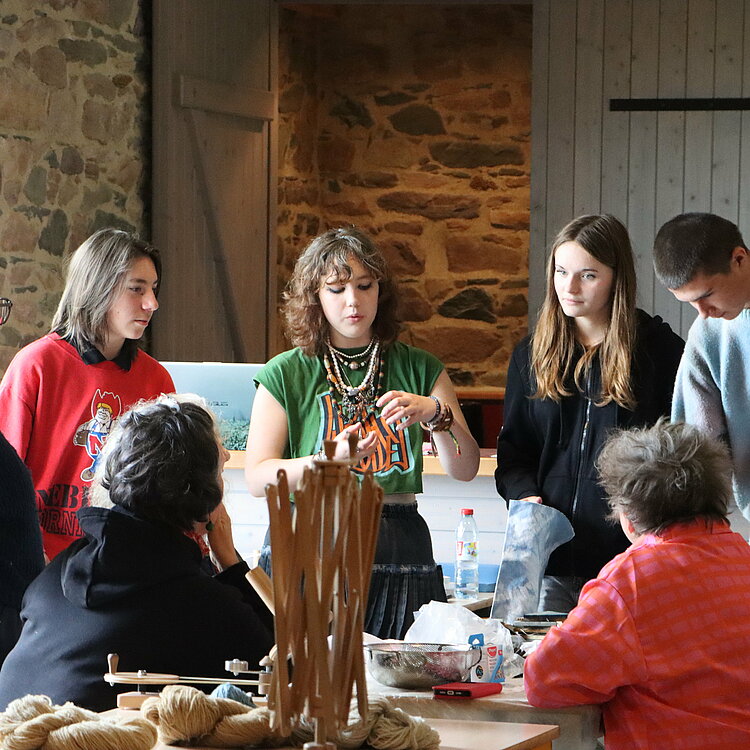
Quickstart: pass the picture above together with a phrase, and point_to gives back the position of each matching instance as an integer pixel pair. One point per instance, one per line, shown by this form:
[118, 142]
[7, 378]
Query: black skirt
[404, 573]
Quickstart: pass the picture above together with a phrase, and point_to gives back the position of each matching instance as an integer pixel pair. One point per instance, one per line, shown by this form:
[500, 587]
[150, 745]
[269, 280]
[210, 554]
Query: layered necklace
[355, 403]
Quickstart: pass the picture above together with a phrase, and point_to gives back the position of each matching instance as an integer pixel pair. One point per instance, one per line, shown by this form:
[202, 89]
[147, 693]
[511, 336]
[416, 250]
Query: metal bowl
[419, 665]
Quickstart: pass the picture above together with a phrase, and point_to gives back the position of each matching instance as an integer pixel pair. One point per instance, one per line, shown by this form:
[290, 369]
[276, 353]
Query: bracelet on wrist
[438, 409]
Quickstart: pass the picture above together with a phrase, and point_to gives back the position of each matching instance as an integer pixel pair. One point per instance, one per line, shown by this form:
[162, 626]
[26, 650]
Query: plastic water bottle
[467, 563]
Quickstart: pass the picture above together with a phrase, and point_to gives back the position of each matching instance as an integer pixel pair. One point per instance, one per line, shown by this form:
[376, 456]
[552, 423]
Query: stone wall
[414, 123]
[73, 139]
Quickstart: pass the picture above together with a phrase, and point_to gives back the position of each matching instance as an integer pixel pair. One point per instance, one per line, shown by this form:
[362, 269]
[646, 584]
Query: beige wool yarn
[186, 715]
[34, 723]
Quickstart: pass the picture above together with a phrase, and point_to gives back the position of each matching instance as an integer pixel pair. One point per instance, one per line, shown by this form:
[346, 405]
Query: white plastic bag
[438, 622]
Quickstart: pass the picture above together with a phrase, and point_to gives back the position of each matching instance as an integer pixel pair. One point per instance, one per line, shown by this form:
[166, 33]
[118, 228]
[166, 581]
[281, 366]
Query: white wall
[643, 167]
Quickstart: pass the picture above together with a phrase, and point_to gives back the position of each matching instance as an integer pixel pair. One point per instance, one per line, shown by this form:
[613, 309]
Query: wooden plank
[228, 99]
[196, 122]
[212, 51]
[539, 147]
[698, 125]
[744, 188]
[561, 108]
[642, 155]
[726, 131]
[616, 126]
[588, 108]
[670, 145]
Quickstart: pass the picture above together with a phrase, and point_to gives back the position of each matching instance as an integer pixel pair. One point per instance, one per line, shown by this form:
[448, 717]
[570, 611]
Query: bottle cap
[467, 511]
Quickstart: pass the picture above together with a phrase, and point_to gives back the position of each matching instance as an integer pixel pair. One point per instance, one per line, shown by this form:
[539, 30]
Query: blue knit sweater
[712, 390]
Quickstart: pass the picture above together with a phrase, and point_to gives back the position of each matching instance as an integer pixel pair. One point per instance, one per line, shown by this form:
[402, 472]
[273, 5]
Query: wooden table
[579, 726]
[472, 735]
[454, 735]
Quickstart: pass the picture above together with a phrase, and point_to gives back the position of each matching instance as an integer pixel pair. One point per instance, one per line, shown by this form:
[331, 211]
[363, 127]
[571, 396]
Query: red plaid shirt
[662, 640]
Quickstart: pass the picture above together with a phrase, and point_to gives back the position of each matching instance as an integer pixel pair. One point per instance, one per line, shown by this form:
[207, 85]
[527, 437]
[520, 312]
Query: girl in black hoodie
[594, 362]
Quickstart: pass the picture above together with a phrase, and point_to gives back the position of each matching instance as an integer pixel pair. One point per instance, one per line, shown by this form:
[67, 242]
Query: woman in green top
[348, 374]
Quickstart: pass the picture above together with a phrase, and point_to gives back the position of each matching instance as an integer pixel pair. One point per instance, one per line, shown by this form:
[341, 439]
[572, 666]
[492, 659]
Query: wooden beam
[226, 99]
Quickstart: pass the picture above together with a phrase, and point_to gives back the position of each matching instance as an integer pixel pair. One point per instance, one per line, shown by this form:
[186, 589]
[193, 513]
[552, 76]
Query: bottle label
[466, 550]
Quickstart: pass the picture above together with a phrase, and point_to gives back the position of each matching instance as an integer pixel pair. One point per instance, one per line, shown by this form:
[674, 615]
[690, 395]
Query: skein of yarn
[186, 715]
[34, 723]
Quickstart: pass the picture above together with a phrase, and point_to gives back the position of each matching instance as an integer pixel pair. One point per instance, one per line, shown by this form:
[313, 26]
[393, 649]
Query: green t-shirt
[299, 384]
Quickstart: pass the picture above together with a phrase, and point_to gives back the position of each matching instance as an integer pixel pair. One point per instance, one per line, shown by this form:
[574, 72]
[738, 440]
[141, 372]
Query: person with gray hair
[703, 260]
[62, 394]
[661, 638]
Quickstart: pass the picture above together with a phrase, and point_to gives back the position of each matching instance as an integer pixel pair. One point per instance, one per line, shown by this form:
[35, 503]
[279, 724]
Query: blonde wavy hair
[553, 345]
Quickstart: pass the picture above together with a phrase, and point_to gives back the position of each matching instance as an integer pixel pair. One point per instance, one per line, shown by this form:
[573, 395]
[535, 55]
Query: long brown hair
[328, 254]
[554, 344]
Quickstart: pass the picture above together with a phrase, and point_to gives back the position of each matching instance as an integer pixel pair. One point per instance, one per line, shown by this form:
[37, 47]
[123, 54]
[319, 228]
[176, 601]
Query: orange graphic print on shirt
[91, 435]
[393, 451]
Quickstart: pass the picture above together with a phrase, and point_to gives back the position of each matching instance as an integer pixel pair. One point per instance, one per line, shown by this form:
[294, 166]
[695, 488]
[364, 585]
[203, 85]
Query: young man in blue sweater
[702, 259]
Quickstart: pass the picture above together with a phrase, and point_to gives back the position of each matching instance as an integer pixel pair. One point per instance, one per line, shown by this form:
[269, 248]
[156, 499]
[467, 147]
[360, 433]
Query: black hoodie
[135, 588]
[544, 450]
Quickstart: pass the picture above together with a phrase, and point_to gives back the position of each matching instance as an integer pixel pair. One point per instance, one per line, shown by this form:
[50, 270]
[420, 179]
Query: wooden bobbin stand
[322, 561]
[323, 548]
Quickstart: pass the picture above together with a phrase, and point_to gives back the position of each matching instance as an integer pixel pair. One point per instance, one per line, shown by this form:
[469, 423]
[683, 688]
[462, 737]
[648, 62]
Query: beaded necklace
[353, 361]
[356, 402]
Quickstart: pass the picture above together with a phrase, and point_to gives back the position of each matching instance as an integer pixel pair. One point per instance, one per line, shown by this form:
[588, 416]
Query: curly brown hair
[327, 255]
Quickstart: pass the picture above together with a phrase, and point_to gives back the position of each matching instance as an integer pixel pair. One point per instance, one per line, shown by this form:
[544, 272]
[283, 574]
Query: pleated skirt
[404, 573]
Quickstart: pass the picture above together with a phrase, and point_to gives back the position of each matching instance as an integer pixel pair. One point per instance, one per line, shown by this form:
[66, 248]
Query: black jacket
[21, 556]
[542, 449]
[135, 588]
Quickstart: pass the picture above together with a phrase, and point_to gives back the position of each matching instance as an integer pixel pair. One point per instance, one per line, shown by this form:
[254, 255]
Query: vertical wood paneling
[616, 125]
[744, 196]
[728, 82]
[652, 166]
[588, 108]
[670, 141]
[540, 116]
[561, 103]
[642, 162]
[211, 182]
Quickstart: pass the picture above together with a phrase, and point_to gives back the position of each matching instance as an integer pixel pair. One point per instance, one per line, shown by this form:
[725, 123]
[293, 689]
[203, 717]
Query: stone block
[19, 233]
[71, 161]
[23, 101]
[102, 122]
[513, 306]
[431, 205]
[372, 179]
[394, 98]
[35, 188]
[404, 227]
[403, 260]
[351, 112]
[503, 219]
[470, 155]
[55, 233]
[482, 182]
[42, 29]
[459, 343]
[468, 253]
[86, 51]
[335, 154]
[114, 13]
[469, 304]
[290, 98]
[412, 305]
[50, 66]
[97, 84]
[418, 119]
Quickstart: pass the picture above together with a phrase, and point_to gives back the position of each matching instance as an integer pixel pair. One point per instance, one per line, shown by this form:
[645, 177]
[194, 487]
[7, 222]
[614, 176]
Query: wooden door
[214, 64]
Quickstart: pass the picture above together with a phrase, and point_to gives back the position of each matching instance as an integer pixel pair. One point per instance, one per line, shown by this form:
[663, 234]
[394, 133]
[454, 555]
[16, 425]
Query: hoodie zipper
[582, 445]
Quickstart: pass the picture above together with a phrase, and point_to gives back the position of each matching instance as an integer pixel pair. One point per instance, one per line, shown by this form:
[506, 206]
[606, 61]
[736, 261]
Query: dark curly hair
[327, 255]
[162, 462]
